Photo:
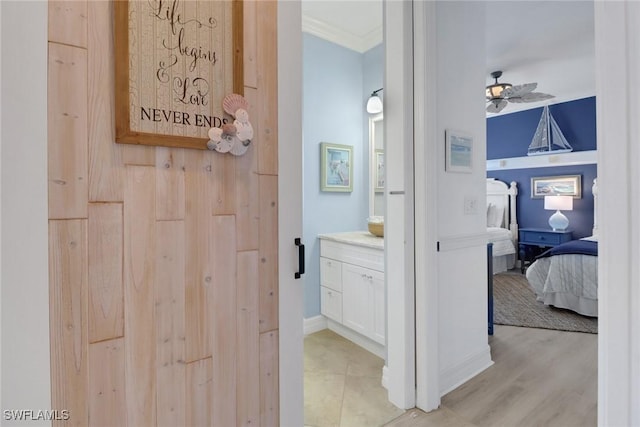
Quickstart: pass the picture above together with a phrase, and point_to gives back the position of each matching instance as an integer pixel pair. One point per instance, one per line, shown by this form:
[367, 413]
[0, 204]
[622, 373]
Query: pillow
[494, 216]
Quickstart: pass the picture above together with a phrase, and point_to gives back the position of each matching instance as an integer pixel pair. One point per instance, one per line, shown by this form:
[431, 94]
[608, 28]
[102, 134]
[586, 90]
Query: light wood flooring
[540, 378]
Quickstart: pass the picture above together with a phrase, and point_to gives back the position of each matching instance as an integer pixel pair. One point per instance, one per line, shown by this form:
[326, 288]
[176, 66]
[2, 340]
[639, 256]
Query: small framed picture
[564, 185]
[379, 172]
[336, 167]
[458, 152]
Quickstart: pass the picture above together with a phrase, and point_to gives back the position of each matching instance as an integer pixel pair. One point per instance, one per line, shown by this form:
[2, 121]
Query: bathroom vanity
[352, 294]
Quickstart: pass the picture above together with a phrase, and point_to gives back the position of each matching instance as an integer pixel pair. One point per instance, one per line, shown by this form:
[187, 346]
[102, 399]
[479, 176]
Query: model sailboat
[548, 138]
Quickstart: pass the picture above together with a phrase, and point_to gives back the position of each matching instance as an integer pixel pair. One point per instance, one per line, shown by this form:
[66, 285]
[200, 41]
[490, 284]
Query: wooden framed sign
[175, 62]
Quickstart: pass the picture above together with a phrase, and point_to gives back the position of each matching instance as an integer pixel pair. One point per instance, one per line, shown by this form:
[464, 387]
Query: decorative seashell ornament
[235, 137]
[233, 102]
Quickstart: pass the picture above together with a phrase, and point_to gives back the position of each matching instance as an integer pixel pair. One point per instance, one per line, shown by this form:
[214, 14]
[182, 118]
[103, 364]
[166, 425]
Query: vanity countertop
[359, 238]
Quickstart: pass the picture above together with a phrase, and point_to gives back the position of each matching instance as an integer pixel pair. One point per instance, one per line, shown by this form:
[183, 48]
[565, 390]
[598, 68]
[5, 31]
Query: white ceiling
[548, 42]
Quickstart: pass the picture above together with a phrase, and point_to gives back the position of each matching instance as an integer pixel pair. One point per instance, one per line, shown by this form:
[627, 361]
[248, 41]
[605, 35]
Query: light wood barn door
[163, 261]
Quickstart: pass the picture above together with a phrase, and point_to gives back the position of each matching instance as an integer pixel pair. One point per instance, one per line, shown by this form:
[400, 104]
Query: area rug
[514, 304]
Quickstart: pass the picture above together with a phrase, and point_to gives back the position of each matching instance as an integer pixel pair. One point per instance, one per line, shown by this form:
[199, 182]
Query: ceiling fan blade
[496, 105]
[518, 90]
[531, 97]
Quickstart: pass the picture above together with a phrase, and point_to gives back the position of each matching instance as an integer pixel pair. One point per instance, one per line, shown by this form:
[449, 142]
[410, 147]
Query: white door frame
[290, 213]
[617, 41]
[426, 233]
[399, 196]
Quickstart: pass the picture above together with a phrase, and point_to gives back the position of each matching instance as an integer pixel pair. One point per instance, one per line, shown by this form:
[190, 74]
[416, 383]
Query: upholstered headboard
[503, 196]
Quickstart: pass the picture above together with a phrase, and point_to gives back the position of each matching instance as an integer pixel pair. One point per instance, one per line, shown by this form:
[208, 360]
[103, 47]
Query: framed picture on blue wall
[336, 167]
[458, 152]
[565, 185]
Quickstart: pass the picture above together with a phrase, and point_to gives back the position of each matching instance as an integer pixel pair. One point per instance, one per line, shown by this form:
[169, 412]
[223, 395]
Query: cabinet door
[357, 312]
[331, 304]
[379, 316]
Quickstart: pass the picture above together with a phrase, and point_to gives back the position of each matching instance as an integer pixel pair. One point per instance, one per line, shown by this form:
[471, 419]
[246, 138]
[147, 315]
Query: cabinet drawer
[331, 304]
[533, 237]
[331, 274]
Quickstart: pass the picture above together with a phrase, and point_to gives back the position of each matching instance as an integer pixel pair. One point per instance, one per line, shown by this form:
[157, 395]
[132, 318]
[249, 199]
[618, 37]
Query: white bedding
[504, 252]
[501, 239]
[567, 281]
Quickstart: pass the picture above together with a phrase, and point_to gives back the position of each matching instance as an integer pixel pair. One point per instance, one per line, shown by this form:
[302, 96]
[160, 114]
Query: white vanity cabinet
[363, 298]
[352, 286]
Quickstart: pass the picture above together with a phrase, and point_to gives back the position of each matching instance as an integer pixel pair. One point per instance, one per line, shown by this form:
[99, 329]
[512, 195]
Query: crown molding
[343, 38]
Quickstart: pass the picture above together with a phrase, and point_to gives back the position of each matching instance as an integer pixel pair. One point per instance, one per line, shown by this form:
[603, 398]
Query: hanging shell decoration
[235, 137]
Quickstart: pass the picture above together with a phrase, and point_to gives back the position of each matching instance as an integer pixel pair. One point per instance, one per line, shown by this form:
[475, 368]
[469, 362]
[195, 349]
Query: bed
[567, 276]
[502, 227]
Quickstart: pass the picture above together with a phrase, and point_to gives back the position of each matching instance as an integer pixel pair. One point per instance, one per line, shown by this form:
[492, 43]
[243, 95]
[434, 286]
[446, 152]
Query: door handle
[300, 246]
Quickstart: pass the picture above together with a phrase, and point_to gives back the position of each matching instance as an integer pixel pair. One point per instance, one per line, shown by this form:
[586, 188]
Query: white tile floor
[342, 384]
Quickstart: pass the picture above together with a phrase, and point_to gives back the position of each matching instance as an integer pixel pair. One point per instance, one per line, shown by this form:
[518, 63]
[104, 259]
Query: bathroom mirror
[376, 165]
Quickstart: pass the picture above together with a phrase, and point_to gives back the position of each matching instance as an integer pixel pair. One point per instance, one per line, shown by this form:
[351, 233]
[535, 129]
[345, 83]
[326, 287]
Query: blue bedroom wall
[510, 135]
[333, 111]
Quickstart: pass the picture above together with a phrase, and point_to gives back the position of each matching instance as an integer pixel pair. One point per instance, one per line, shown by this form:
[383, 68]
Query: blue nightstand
[532, 242]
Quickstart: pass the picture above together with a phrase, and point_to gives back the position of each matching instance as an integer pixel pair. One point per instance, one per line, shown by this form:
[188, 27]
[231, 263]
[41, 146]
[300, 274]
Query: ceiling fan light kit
[496, 89]
[499, 94]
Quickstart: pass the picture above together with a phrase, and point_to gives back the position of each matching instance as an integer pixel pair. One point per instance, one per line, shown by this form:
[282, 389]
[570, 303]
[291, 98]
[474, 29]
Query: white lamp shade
[558, 203]
[374, 105]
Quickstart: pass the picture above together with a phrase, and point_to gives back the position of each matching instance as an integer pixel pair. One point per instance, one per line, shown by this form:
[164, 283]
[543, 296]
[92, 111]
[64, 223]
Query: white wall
[24, 291]
[462, 274]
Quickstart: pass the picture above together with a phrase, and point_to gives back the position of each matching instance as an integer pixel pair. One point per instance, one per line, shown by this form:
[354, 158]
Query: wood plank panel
[248, 340]
[247, 187]
[107, 398]
[269, 390]
[139, 268]
[199, 393]
[138, 155]
[267, 47]
[105, 156]
[223, 183]
[170, 313]
[106, 300]
[68, 317]
[198, 251]
[68, 22]
[250, 45]
[223, 316]
[67, 131]
[169, 183]
[268, 252]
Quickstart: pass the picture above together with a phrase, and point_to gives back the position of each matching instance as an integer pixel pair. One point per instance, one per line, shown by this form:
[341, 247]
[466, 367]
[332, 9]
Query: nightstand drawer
[542, 237]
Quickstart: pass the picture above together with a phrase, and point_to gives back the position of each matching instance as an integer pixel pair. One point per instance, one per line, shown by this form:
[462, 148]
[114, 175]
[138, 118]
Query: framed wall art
[564, 185]
[175, 62]
[336, 167]
[458, 152]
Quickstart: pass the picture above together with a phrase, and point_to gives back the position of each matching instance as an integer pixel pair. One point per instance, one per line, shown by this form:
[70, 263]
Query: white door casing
[399, 233]
[617, 41]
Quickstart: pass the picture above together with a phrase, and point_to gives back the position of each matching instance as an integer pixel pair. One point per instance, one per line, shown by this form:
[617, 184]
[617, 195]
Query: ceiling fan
[498, 94]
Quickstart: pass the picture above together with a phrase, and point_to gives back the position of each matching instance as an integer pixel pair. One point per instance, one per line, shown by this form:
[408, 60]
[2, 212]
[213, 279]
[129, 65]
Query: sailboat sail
[548, 137]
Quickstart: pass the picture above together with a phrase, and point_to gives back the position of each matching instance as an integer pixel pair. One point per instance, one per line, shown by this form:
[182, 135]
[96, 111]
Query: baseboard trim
[314, 324]
[356, 338]
[385, 376]
[472, 365]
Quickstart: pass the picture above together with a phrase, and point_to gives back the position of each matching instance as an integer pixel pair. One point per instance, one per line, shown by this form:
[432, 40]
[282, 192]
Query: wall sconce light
[374, 104]
[558, 221]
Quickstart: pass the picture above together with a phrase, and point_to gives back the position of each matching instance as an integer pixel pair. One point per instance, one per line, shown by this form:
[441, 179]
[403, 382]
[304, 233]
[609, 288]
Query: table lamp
[558, 221]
